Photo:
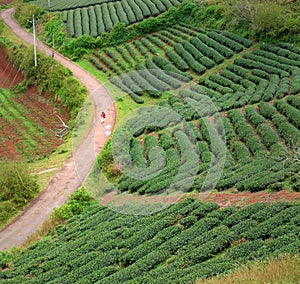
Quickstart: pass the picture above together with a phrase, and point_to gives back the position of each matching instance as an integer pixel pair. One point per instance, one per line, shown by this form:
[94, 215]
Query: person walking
[102, 117]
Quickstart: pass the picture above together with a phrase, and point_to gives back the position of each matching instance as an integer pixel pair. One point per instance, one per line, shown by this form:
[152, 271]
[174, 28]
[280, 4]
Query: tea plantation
[209, 110]
[230, 104]
[95, 17]
[185, 241]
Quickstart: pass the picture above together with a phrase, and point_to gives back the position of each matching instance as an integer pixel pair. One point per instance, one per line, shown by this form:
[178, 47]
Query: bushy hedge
[289, 111]
[295, 84]
[93, 21]
[225, 51]
[177, 60]
[232, 44]
[113, 13]
[85, 21]
[289, 132]
[281, 51]
[237, 38]
[208, 51]
[70, 24]
[136, 10]
[250, 63]
[162, 75]
[294, 101]
[77, 23]
[99, 17]
[121, 13]
[171, 69]
[108, 23]
[184, 241]
[194, 65]
[205, 61]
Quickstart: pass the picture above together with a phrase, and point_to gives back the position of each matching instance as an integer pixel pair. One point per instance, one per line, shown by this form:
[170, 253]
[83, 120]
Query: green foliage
[50, 76]
[1, 26]
[77, 202]
[24, 13]
[269, 18]
[76, 48]
[266, 20]
[118, 34]
[17, 188]
[184, 241]
[105, 162]
[54, 31]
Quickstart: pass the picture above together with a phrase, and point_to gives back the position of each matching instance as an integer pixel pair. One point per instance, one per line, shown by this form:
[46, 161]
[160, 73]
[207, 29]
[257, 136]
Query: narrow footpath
[73, 172]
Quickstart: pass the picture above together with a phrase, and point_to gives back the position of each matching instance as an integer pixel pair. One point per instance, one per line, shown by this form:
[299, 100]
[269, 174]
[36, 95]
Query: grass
[45, 168]
[282, 270]
[124, 103]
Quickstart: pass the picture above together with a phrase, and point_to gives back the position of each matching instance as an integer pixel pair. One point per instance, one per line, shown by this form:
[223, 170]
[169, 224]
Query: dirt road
[76, 168]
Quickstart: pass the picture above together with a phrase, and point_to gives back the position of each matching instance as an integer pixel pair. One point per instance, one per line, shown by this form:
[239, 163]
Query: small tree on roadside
[16, 183]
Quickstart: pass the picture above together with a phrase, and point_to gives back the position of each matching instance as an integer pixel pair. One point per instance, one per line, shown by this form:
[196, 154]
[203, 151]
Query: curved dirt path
[76, 168]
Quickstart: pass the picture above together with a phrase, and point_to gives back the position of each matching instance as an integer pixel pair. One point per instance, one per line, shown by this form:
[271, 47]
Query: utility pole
[52, 46]
[49, 3]
[34, 42]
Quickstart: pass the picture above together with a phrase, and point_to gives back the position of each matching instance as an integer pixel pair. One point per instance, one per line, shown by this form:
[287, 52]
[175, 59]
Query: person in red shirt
[102, 117]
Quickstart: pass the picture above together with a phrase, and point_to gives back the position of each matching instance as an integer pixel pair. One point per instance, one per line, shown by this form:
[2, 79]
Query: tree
[16, 183]
[268, 17]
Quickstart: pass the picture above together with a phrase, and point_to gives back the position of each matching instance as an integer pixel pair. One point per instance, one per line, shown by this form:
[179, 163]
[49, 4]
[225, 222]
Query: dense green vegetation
[50, 76]
[100, 18]
[186, 241]
[234, 17]
[17, 188]
[227, 117]
[261, 139]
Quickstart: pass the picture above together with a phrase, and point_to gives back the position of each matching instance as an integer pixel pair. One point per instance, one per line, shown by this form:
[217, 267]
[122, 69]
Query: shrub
[99, 17]
[223, 50]
[289, 111]
[234, 45]
[136, 10]
[240, 152]
[108, 23]
[294, 101]
[237, 38]
[121, 13]
[17, 186]
[177, 60]
[113, 13]
[208, 51]
[295, 85]
[85, 21]
[93, 21]
[76, 203]
[70, 23]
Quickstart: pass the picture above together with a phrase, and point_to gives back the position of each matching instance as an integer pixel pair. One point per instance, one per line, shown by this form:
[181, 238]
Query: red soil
[9, 76]
[245, 198]
[113, 199]
[3, 2]
[39, 112]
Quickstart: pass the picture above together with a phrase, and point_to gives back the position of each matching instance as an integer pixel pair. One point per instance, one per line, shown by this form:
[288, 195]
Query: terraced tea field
[186, 241]
[95, 17]
[250, 93]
